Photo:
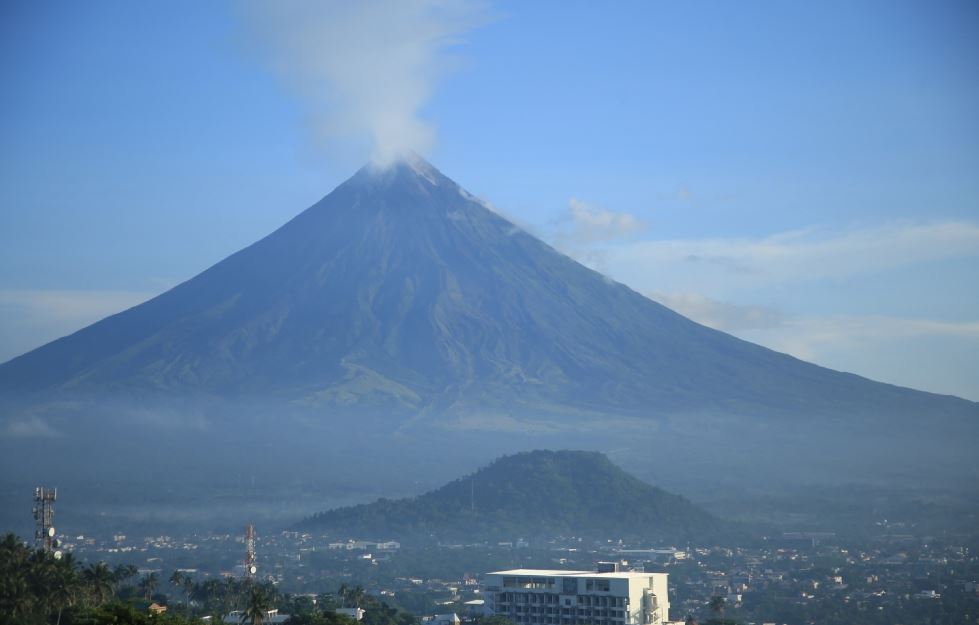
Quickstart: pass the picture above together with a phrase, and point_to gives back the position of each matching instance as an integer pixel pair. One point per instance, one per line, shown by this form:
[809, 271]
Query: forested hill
[536, 494]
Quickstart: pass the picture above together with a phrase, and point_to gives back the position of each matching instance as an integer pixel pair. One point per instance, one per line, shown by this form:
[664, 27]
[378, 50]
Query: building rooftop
[557, 573]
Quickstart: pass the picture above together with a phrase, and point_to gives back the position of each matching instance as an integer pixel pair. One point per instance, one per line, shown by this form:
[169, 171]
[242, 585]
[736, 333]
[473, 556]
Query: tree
[66, 585]
[717, 605]
[124, 572]
[496, 619]
[177, 579]
[148, 585]
[99, 579]
[319, 618]
[116, 613]
[257, 608]
[188, 590]
[356, 596]
[326, 602]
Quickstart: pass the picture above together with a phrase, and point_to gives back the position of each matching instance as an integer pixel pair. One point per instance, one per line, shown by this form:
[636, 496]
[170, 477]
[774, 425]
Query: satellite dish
[57, 555]
[252, 569]
[50, 531]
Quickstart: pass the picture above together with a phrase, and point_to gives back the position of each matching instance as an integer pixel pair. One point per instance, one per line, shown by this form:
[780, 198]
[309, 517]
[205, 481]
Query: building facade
[545, 597]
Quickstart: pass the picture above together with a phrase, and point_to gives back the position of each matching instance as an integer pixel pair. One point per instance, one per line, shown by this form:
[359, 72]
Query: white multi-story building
[543, 597]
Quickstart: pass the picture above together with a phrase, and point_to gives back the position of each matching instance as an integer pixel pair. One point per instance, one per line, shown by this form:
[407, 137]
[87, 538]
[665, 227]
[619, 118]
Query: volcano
[401, 298]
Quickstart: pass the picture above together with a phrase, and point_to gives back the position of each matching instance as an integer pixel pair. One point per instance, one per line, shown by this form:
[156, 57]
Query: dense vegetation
[38, 589]
[532, 494]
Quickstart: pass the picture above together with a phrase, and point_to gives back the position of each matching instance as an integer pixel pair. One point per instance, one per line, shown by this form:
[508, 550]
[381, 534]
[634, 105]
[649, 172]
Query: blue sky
[803, 175]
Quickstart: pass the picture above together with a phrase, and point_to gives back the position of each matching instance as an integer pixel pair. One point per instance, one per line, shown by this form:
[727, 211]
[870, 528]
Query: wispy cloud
[32, 427]
[928, 354]
[863, 344]
[718, 314]
[31, 318]
[789, 292]
[365, 69]
[789, 257]
[73, 305]
[589, 223]
[806, 336]
[809, 330]
[583, 228]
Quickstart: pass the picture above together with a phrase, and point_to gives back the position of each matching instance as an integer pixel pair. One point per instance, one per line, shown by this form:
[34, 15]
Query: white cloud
[720, 315]
[593, 224]
[365, 69]
[584, 228]
[73, 305]
[929, 354]
[33, 427]
[518, 223]
[806, 336]
[31, 318]
[719, 265]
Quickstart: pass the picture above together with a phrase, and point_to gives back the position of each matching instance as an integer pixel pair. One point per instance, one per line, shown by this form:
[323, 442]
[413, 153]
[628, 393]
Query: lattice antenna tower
[44, 531]
[250, 567]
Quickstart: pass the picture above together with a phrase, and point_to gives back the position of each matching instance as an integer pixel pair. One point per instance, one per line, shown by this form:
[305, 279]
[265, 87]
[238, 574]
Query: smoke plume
[365, 69]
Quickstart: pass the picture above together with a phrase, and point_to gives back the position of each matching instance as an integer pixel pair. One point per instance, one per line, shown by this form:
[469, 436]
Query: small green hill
[537, 494]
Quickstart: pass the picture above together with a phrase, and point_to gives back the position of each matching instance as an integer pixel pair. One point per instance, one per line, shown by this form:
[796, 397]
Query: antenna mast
[44, 531]
[250, 568]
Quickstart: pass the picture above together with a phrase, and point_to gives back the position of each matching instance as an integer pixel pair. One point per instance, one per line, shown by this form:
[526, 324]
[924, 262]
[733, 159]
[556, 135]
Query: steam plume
[365, 69]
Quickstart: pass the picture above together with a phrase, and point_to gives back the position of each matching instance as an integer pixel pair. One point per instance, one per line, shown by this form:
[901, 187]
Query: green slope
[538, 494]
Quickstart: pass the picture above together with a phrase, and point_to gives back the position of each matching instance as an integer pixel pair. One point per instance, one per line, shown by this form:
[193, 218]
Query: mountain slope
[401, 293]
[539, 494]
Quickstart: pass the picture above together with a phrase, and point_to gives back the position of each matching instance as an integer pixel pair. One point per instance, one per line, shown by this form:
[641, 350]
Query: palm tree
[16, 571]
[121, 576]
[257, 608]
[148, 584]
[39, 569]
[65, 586]
[188, 590]
[342, 593]
[213, 595]
[19, 600]
[235, 591]
[717, 605]
[99, 579]
[356, 596]
[326, 602]
[176, 578]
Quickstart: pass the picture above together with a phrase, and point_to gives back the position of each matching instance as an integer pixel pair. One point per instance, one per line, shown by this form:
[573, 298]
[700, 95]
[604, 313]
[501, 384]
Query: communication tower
[44, 531]
[250, 568]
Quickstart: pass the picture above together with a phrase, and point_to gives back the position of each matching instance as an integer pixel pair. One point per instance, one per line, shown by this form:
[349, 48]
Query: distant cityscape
[796, 573]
